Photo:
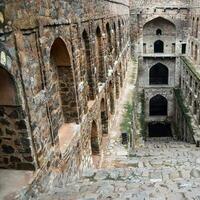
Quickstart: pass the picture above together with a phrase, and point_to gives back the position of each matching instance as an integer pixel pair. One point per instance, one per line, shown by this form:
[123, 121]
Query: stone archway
[117, 84]
[158, 74]
[159, 46]
[99, 52]
[15, 145]
[89, 73]
[63, 75]
[111, 98]
[95, 146]
[104, 117]
[158, 106]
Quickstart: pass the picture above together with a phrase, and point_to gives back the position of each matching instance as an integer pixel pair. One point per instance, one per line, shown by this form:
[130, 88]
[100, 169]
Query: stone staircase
[162, 169]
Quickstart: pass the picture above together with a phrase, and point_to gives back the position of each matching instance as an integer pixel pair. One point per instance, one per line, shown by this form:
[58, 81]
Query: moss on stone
[184, 109]
[191, 67]
[127, 125]
[142, 116]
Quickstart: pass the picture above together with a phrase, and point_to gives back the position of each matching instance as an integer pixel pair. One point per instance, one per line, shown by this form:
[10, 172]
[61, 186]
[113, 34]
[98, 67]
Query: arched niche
[61, 62]
[164, 25]
[159, 46]
[158, 106]
[158, 75]
[89, 73]
[8, 92]
[104, 117]
[99, 53]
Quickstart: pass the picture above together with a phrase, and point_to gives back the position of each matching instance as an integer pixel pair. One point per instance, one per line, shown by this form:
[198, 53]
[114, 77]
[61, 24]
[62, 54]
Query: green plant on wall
[142, 116]
[127, 125]
[183, 108]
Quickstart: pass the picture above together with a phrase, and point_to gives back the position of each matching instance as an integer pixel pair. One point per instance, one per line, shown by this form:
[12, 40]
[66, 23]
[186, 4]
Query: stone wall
[166, 23]
[14, 142]
[55, 88]
[188, 118]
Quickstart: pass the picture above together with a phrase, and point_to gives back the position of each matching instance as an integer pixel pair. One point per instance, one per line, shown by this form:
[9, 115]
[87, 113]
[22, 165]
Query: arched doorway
[158, 129]
[159, 46]
[15, 145]
[88, 67]
[158, 74]
[158, 106]
[104, 117]
[63, 78]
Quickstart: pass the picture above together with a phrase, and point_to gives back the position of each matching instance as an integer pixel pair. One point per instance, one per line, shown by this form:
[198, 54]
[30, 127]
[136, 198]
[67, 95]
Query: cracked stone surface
[164, 169]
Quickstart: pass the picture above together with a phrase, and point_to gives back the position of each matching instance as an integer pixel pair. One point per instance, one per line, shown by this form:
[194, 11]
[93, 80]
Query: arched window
[61, 63]
[158, 74]
[94, 139]
[158, 106]
[104, 117]
[120, 35]
[158, 32]
[115, 39]
[111, 98]
[101, 70]
[117, 84]
[8, 93]
[159, 46]
[88, 65]
[192, 49]
[197, 28]
[109, 39]
[195, 52]
[195, 107]
[15, 147]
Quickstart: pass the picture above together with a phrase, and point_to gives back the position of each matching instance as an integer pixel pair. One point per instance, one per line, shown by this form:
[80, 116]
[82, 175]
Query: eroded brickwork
[68, 60]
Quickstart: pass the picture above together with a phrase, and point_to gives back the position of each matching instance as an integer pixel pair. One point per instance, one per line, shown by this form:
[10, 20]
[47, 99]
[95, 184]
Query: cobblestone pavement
[163, 169]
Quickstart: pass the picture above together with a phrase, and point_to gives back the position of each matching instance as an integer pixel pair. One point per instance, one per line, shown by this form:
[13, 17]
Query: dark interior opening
[158, 74]
[183, 48]
[160, 130]
[158, 32]
[159, 46]
[158, 106]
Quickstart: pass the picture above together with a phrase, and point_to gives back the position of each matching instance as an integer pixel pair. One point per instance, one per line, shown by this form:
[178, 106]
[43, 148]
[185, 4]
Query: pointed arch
[89, 74]
[158, 31]
[99, 51]
[164, 20]
[61, 62]
[159, 46]
[8, 90]
[104, 116]
[94, 139]
[158, 106]
[15, 144]
[111, 98]
[120, 35]
[109, 38]
[117, 84]
[115, 38]
[158, 74]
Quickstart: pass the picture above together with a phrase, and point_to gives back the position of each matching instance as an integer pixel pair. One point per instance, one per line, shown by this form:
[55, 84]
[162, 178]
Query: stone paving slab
[162, 170]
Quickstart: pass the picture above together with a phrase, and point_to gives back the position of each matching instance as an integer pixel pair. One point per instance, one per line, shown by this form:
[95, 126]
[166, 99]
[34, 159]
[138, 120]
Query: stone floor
[163, 169]
[11, 181]
[160, 169]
